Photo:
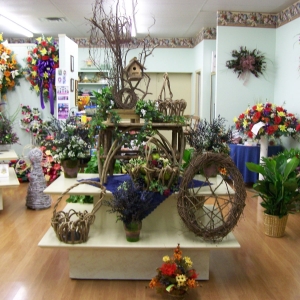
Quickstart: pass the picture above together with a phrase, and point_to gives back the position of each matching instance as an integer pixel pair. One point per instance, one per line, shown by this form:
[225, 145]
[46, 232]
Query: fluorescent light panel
[16, 27]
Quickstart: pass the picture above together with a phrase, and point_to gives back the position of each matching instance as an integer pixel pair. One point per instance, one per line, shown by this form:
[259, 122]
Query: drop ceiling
[173, 18]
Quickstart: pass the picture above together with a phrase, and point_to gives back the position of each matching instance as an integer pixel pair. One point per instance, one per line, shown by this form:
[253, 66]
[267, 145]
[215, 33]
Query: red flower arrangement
[175, 276]
[275, 122]
[41, 64]
[51, 168]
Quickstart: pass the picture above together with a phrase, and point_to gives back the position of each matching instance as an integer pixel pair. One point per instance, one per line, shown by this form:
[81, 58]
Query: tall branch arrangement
[114, 25]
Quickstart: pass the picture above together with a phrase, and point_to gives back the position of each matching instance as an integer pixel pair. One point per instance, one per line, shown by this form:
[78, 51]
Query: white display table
[12, 180]
[8, 155]
[107, 254]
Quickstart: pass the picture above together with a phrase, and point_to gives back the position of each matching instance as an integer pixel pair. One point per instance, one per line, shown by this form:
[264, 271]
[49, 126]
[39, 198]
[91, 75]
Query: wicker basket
[274, 226]
[168, 106]
[73, 227]
[166, 176]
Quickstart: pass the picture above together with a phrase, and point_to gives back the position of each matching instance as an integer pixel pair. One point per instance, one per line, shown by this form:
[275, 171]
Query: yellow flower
[33, 73]
[55, 58]
[281, 113]
[259, 107]
[188, 261]
[235, 119]
[181, 279]
[49, 39]
[43, 51]
[1, 37]
[36, 87]
[245, 123]
[282, 127]
[39, 39]
[33, 61]
[45, 75]
[166, 258]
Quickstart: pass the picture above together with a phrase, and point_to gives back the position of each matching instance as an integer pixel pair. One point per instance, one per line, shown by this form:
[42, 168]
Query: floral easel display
[42, 61]
[175, 276]
[10, 70]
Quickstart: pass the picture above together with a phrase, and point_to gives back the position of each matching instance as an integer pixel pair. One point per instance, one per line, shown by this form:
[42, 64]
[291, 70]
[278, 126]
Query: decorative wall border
[224, 18]
[241, 19]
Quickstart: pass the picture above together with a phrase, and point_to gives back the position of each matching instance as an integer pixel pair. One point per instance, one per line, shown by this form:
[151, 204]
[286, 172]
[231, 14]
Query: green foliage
[279, 186]
[211, 137]
[80, 199]
[187, 156]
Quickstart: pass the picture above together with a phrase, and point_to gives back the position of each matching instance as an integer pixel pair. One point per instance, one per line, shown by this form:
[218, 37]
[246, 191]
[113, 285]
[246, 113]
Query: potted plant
[131, 204]
[278, 190]
[175, 276]
[7, 134]
[69, 144]
[209, 137]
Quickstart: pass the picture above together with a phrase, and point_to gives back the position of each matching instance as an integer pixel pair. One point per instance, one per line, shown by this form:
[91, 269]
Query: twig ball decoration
[36, 199]
[221, 213]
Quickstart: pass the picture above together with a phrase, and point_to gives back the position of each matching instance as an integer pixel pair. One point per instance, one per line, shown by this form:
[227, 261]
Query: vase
[263, 151]
[5, 147]
[274, 226]
[132, 231]
[70, 168]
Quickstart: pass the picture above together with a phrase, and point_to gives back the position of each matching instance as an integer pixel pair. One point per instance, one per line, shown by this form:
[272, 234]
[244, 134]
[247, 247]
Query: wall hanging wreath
[42, 61]
[247, 61]
[10, 70]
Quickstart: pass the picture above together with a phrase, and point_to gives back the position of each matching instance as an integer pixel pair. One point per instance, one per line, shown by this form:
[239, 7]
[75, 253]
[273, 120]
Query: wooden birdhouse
[134, 70]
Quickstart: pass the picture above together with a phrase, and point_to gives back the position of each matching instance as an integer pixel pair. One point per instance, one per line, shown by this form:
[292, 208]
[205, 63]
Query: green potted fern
[278, 189]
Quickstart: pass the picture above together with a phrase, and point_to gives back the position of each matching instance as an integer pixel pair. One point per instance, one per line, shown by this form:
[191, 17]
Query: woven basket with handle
[73, 227]
[168, 106]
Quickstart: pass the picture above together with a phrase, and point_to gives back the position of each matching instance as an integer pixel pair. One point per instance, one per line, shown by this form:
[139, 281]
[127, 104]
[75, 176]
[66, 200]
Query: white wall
[287, 80]
[232, 94]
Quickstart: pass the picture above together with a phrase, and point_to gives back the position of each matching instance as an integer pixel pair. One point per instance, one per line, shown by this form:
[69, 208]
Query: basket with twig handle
[166, 105]
[73, 227]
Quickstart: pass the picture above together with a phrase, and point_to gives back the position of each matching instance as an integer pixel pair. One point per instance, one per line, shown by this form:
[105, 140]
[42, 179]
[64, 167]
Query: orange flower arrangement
[10, 70]
[275, 119]
[175, 276]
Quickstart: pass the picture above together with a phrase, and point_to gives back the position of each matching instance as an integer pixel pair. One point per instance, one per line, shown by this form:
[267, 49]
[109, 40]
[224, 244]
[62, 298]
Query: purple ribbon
[46, 66]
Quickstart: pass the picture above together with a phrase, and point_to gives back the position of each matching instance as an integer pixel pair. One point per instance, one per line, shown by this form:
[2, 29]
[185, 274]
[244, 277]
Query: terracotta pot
[70, 168]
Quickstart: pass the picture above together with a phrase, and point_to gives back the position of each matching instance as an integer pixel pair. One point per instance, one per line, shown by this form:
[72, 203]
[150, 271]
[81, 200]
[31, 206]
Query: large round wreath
[245, 60]
[42, 61]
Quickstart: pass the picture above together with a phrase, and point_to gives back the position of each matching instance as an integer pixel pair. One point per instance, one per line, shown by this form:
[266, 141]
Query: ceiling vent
[53, 20]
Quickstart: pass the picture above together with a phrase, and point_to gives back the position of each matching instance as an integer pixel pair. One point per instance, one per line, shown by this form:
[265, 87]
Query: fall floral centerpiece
[10, 70]
[247, 61]
[272, 120]
[42, 61]
[175, 276]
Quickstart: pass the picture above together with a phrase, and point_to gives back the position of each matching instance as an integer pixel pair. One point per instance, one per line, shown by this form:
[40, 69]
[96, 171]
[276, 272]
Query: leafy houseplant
[131, 204]
[175, 276]
[279, 186]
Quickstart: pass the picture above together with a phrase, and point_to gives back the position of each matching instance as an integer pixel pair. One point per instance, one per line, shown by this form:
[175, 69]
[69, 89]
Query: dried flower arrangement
[247, 61]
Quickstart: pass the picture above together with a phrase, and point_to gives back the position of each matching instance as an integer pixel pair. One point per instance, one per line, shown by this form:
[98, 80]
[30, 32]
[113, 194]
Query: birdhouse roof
[132, 61]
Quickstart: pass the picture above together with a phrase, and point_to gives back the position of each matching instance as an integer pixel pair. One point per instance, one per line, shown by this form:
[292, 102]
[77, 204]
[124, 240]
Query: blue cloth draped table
[241, 154]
